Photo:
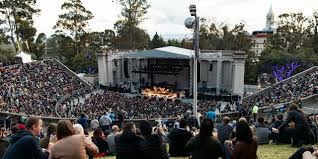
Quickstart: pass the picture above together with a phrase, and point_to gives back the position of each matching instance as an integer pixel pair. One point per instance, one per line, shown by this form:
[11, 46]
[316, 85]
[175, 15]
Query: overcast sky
[167, 16]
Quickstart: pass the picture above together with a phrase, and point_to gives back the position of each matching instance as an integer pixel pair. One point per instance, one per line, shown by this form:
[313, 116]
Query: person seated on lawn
[262, 131]
[51, 130]
[300, 131]
[281, 137]
[244, 145]
[205, 145]
[224, 130]
[68, 145]
[305, 153]
[152, 146]
[127, 143]
[111, 140]
[100, 141]
[177, 139]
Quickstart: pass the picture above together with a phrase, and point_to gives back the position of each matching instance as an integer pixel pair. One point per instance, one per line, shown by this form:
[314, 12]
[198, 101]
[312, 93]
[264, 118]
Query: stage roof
[169, 52]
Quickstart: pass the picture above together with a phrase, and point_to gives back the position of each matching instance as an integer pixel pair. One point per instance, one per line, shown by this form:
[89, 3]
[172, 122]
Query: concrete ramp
[310, 104]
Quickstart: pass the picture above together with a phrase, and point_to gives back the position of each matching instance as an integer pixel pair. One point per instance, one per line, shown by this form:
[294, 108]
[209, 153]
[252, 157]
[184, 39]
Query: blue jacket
[24, 145]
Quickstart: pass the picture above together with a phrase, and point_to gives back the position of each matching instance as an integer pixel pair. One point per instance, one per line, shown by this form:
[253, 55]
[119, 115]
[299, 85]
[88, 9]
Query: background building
[259, 38]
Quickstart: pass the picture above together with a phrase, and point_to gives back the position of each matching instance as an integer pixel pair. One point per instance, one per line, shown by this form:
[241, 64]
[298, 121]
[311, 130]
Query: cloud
[167, 16]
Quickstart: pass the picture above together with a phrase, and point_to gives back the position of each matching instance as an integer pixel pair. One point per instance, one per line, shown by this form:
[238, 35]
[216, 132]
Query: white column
[218, 75]
[102, 64]
[238, 76]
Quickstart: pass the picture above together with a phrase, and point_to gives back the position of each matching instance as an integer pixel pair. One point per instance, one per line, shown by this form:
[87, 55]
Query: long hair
[206, 130]
[244, 132]
[64, 129]
[293, 107]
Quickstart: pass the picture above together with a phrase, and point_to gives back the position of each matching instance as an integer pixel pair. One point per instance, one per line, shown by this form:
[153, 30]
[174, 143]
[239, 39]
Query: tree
[40, 43]
[314, 31]
[132, 12]
[99, 40]
[74, 19]
[19, 17]
[292, 32]
[59, 44]
[157, 41]
[6, 52]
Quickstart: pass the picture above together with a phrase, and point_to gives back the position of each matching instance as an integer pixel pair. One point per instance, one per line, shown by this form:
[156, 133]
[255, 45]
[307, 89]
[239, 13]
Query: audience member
[127, 143]
[69, 145]
[224, 130]
[111, 139]
[83, 120]
[177, 139]
[244, 145]
[281, 137]
[51, 130]
[100, 141]
[25, 144]
[300, 131]
[152, 145]
[262, 131]
[105, 121]
[204, 145]
[305, 153]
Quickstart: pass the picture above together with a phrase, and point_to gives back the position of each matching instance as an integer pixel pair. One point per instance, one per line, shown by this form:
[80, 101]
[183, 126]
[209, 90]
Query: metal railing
[278, 83]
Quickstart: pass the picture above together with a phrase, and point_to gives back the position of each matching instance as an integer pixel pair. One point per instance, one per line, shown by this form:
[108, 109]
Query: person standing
[105, 122]
[272, 111]
[255, 112]
[83, 120]
[25, 144]
[211, 114]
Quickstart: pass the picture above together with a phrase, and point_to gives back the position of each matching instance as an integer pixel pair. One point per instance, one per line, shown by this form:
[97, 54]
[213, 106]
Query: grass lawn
[264, 152]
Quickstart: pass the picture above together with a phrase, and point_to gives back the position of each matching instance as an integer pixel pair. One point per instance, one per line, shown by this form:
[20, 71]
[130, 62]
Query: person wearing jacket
[25, 144]
[151, 145]
[205, 145]
[301, 130]
[100, 141]
[177, 139]
[281, 137]
[244, 146]
[127, 143]
[69, 145]
[51, 129]
[262, 131]
[305, 153]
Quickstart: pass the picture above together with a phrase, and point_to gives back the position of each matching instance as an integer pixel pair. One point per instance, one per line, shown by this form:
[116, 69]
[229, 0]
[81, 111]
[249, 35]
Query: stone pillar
[102, 66]
[238, 74]
[218, 76]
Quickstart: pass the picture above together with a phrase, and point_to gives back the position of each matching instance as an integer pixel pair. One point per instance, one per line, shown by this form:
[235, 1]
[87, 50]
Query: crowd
[294, 90]
[133, 107]
[208, 139]
[34, 88]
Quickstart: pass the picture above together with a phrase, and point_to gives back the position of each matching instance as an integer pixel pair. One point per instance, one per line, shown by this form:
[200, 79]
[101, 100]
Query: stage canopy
[26, 58]
[169, 52]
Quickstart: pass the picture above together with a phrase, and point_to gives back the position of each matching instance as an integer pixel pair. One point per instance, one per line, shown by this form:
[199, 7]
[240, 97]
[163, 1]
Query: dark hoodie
[153, 147]
[127, 146]
[177, 140]
[24, 145]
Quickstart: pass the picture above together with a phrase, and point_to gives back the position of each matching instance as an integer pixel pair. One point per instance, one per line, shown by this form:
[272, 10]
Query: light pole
[193, 23]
